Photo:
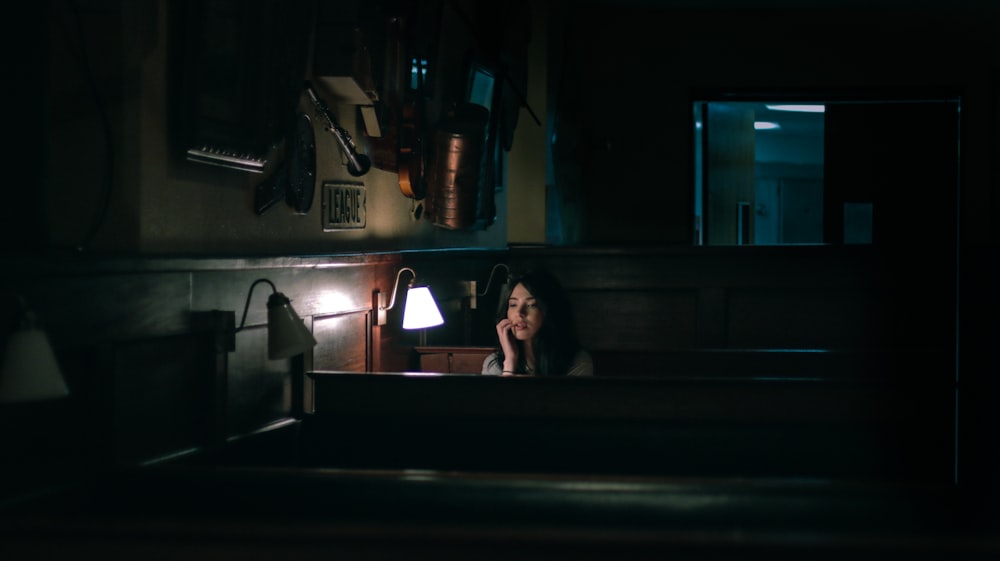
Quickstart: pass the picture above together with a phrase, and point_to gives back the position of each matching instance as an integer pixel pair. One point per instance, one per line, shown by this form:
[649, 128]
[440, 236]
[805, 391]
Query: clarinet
[357, 164]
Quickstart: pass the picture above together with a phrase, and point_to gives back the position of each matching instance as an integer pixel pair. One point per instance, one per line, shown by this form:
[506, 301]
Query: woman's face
[523, 313]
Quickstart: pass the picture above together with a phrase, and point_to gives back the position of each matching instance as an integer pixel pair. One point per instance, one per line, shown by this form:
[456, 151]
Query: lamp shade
[30, 371]
[287, 334]
[420, 310]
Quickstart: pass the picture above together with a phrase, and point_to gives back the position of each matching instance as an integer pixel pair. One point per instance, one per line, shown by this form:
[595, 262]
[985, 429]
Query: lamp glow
[420, 310]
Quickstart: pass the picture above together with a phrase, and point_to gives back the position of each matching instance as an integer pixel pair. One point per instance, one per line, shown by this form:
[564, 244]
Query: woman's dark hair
[556, 343]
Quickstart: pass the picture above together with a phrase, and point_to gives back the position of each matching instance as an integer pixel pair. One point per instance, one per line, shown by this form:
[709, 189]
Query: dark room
[456, 279]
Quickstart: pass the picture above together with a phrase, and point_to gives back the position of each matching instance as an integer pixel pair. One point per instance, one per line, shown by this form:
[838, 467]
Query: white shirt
[582, 365]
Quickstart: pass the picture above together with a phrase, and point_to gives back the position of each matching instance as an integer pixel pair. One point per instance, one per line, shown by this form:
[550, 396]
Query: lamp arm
[395, 286]
[249, 295]
[489, 281]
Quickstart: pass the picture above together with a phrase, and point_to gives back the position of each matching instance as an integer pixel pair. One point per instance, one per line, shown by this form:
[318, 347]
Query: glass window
[820, 172]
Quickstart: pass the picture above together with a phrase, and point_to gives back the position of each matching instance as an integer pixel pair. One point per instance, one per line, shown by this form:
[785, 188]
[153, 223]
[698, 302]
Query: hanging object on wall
[383, 150]
[235, 76]
[357, 164]
[295, 179]
[302, 166]
[344, 206]
[458, 157]
[412, 159]
[400, 149]
[271, 190]
[341, 63]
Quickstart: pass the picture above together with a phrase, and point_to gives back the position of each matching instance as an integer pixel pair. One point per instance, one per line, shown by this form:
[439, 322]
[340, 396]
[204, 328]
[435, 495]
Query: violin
[409, 119]
[411, 159]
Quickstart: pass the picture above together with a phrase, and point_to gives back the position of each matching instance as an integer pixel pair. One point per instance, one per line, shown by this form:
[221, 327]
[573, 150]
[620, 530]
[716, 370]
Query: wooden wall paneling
[142, 372]
[259, 389]
[163, 396]
[297, 380]
[470, 362]
[622, 319]
[263, 391]
[230, 290]
[635, 267]
[800, 317]
[710, 330]
[598, 268]
[343, 342]
[81, 311]
[817, 297]
[375, 336]
[341, 287]
[453, 360]
[435, 362]
[220, 326]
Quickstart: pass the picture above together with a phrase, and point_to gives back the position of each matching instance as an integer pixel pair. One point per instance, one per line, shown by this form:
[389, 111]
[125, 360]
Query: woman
[536, 331]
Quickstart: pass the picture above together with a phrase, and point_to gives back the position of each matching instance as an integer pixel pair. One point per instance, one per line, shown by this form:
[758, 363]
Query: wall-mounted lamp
[287, 334]
[471, 285]
[420, 310]
[30, 371]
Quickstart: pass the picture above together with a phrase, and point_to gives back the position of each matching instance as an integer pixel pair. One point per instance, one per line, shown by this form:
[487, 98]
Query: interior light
[799, 108]
[30, 371]
[765, 126]
[420, 310]
[287, 334]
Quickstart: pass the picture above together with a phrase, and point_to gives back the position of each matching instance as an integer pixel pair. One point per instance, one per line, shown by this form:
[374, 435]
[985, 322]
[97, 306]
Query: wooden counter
[452, 360]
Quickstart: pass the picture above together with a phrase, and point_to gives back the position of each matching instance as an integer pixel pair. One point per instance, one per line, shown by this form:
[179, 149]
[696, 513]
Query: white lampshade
[30, 371]
[420, 310]
[287, 334]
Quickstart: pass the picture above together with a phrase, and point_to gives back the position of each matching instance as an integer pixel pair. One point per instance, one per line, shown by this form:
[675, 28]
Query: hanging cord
[109, 158]
[250, 295]
[489, 281]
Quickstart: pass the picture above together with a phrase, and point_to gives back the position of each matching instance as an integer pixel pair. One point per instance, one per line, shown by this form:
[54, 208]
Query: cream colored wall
[163, 207]
[526, 175]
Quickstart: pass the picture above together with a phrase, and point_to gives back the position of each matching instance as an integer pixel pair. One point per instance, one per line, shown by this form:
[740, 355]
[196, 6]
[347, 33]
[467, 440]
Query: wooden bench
[857, 364]
[792, 427]
[169, 512]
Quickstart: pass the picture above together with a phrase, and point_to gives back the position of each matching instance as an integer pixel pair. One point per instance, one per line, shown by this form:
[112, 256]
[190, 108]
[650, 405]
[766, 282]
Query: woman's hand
[505, 333]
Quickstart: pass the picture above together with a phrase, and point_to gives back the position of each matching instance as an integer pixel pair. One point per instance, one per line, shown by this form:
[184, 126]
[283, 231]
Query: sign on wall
[343, 206]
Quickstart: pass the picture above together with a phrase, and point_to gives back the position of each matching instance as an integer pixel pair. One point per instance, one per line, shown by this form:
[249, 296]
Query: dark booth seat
[426, 466]
[197, 513]
[675, 426]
